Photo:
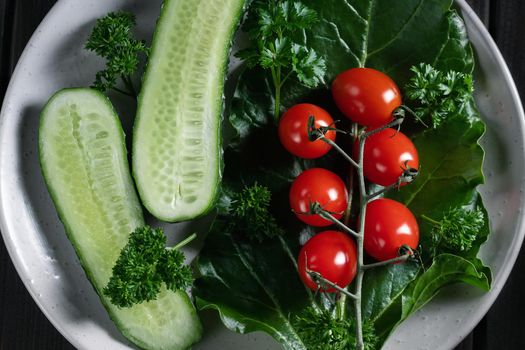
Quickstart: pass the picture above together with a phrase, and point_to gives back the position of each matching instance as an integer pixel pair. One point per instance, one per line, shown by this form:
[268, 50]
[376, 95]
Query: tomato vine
[407, 176]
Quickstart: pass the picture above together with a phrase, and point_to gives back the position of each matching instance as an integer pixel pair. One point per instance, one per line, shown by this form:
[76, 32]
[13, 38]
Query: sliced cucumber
[176, 141]
[83, 159]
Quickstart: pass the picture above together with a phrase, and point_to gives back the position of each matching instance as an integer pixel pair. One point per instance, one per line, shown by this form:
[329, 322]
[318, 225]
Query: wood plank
[24, 25]
[6, 16]
[503, 321]
[482, 9]
[22, 325]
[508, 28]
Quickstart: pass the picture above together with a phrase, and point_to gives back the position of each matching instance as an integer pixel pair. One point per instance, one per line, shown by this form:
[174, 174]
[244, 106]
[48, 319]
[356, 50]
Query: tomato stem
[315, 133]
[370, 197]
[398, 259]
[340, 150]
[360, 241]
[321, 281]
[364, 199]
[394, 123]
[351, 175]
[326, 215]
[341, 303]
[408, 176]
[401, 112]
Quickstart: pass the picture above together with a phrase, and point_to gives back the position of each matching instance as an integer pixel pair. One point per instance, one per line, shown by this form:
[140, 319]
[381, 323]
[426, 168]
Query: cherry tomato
[293, 131]
[333, 255]
[366, 96]
[386, 155]
[388, 226]
[321, 186]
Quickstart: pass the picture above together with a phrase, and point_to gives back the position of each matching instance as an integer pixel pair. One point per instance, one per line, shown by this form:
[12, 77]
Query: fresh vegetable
[177, 138]
[361, 234]
[84, 163]
[439, 94]
[143, 265]
[322, 331]
[458, 229]
[112, 39]
[389, 226]
[387, 155]
[295, 131]
[250, 210]
[366, 96]
[272, 26]
[236, 273]
[449, 174]
[322, 187]
[332, 255]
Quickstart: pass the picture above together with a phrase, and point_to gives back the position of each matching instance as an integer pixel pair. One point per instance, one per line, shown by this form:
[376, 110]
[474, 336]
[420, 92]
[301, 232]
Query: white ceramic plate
[48, 266]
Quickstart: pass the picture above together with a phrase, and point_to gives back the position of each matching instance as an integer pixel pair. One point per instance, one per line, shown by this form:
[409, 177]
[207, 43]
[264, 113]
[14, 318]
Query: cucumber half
[83, 159]
[177, 140]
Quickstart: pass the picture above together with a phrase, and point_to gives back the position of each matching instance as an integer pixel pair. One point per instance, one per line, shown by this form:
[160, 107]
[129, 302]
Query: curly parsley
[250, 208]
[439, 94]
[323, 332]
[113, 40]
[271, 25]
[143, 265]
[457, 230]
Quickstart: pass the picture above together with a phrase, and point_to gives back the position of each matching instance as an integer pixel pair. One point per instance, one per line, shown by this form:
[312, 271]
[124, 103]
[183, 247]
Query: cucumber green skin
[118, 316]
[143, 181]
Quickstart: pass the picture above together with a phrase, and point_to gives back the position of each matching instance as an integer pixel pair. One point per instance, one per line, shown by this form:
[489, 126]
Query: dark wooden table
[24, 327]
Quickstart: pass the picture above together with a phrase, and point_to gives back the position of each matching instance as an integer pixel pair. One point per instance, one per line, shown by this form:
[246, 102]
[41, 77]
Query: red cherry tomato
[388, 226]
[366, 96]
[293, 131]
[386, 155]
[333, 255]
[321, 186]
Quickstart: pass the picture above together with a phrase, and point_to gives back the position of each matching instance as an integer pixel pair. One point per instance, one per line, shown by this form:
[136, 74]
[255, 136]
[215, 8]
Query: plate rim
[500, 280]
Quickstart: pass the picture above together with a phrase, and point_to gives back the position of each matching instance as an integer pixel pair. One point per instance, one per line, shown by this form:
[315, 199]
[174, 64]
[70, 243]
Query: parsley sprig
[112, 39]
[271, 26]
[439, 94]
[321, 331]
[250, 209]
[143, 265]
[457, 230]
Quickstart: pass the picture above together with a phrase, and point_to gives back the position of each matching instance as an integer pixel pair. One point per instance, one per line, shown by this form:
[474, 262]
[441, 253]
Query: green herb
[321, 331]
[457, 231]
[271, 26]
[250, 208]
[439, 94]
[143, 265]
[112, 39]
